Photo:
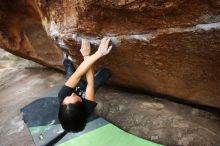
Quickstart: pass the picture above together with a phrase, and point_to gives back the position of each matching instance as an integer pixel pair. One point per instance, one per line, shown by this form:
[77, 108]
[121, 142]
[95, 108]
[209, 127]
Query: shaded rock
[166, 47]
[158, 120]
[22, 33]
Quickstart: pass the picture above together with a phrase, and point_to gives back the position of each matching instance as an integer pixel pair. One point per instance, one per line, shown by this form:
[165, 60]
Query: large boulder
[167, 47]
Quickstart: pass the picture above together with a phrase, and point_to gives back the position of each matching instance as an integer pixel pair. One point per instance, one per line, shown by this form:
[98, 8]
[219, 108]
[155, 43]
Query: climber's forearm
[86, 64]
[90, 91]
[89, 74]
[82, 69]
[90, 88]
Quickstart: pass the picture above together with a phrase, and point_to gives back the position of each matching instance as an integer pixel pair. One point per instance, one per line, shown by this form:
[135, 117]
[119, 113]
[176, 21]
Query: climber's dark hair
[72, 116]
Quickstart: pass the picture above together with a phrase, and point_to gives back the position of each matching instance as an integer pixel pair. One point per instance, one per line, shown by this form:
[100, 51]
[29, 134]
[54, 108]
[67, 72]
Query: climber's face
[73, 98]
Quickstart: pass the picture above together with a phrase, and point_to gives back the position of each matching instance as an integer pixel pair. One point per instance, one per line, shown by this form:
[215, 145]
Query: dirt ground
[149, 117]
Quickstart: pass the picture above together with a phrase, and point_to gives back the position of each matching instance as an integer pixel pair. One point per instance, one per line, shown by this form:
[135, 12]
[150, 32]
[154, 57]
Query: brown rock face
[168, 47]
[22, 33]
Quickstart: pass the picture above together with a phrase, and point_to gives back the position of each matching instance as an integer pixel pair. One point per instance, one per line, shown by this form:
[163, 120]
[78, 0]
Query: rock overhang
[169, 47]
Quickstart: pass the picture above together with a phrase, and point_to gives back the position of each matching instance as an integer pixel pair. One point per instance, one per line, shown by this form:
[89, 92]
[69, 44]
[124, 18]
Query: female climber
[77, 98]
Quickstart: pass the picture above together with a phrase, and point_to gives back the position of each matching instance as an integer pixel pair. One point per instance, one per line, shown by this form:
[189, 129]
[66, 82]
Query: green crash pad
[40, 117]
[108, 135]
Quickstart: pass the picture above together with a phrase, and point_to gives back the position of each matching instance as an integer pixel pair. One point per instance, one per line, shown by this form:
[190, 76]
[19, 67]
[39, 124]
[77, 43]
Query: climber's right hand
[104, 47]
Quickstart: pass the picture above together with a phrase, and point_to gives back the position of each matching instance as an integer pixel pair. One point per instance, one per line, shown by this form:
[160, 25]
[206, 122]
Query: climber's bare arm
[86, 64]
[90, 91]
[82, 69]
[90, 88]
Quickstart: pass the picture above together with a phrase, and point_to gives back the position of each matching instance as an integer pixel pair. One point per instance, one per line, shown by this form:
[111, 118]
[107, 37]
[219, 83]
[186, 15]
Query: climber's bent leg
[101, 77]
[70, 69]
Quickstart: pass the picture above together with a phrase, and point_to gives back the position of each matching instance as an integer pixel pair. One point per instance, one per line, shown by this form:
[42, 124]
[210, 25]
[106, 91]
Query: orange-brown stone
[167, 47]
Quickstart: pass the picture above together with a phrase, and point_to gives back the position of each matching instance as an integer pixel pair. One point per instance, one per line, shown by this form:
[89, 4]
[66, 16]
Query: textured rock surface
[22, 33]
[158, 120]
[167, 47]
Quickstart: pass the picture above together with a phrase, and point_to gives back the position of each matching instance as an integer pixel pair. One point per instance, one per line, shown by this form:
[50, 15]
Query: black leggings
[101, 76]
